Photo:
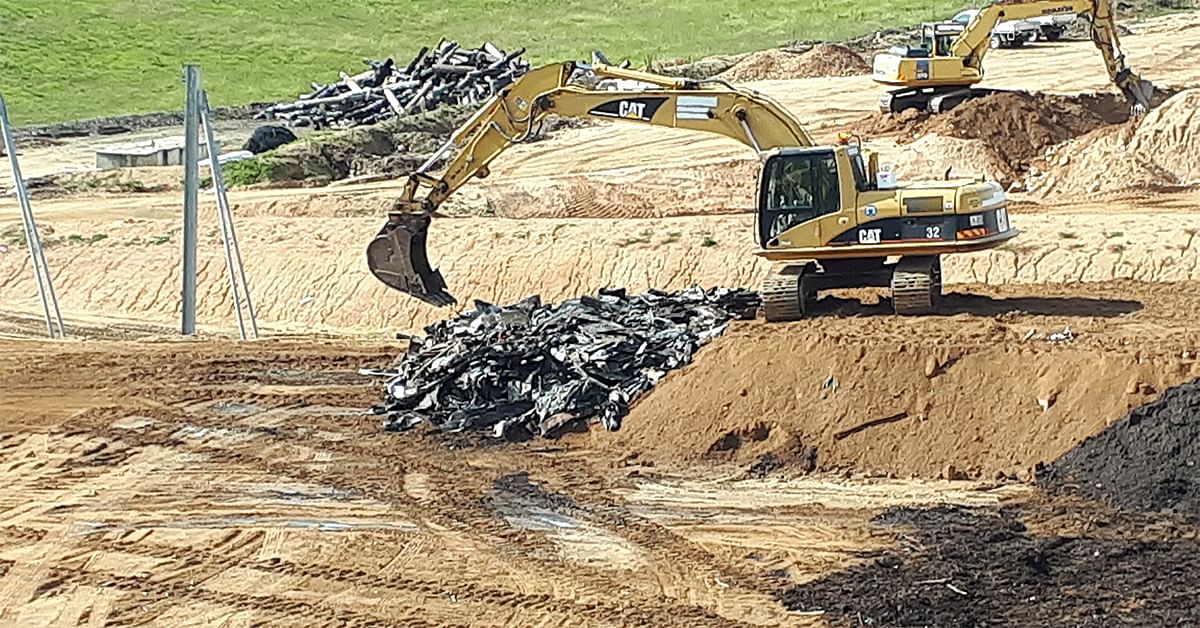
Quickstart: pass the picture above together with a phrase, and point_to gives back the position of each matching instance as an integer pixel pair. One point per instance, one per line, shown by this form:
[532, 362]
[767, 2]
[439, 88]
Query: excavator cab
[799, 186]
[939, 38]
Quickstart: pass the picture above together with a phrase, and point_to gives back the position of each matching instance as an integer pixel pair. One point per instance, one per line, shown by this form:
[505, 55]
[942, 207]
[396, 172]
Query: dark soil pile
[1020, 126]
[1148, 461]
[956, 567]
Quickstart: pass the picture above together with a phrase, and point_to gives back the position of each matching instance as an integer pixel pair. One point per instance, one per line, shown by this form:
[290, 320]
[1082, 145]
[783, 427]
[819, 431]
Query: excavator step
[782, 298]
[917, 285]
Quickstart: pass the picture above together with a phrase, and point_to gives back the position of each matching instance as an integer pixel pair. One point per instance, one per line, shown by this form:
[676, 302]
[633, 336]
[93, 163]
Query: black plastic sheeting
[531, 369]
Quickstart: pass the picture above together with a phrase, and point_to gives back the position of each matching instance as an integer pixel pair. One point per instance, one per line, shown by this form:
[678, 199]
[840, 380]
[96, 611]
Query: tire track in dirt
[672, 548]
[133, 611]
[461, 510]
[428, 590]
[458, 509]
[24, 535]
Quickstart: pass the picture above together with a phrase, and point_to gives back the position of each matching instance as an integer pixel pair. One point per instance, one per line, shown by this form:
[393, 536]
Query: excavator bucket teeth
[397, 257]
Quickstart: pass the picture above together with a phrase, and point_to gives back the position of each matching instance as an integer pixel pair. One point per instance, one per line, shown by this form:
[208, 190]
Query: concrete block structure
[157, 152]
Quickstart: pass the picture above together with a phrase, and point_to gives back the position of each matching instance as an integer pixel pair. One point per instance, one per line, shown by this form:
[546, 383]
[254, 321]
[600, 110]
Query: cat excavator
[943, 71]
[827, 216]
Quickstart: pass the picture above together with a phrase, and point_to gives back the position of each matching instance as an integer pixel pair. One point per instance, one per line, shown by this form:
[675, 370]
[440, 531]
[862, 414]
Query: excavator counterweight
[828, 216]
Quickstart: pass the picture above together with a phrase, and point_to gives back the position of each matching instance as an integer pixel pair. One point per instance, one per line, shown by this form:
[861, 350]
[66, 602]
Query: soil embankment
[979, 393]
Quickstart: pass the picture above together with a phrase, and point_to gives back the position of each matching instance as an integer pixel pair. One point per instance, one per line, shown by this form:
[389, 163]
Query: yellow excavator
[942, 72]
[828, 216]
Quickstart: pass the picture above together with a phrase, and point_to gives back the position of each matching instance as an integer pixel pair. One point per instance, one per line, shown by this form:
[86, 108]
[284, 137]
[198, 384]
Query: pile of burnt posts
[531, 369]
[444, 75]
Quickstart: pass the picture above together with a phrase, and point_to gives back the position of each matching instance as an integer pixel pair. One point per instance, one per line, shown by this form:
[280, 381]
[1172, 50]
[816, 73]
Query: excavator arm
[397, 255]
[972, 44]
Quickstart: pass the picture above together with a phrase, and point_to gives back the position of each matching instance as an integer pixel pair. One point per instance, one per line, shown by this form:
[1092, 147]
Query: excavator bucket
[397, 258]
[1138, 91]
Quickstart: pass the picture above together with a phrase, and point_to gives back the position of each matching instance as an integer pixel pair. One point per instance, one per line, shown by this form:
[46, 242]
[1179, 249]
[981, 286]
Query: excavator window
[797, 188]
[944, 45]
[938, 39]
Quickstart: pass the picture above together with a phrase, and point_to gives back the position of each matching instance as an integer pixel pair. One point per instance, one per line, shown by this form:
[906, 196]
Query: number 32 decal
[933, 233]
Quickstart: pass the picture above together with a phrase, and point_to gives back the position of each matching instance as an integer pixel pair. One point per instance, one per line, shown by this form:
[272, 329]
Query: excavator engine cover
[397, 257]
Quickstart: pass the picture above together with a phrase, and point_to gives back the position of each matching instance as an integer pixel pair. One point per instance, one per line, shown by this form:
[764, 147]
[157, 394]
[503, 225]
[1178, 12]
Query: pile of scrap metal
[445, 75]
[530, 369]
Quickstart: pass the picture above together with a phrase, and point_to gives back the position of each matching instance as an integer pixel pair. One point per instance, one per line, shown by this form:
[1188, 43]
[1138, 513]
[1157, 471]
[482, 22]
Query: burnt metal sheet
[533, 369]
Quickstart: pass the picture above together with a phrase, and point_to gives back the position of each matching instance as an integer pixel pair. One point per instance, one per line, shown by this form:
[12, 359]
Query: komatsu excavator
[829, 216]
[943, 71]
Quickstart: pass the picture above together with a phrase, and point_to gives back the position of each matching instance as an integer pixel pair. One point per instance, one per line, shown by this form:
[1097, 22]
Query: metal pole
[218, 178]
[191, 188]
[41, 271]
[237, 251]
[223, 206]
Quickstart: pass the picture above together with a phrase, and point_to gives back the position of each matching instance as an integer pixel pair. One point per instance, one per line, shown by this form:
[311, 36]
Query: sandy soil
[981, 388]
[191, 483]
[160, 482]
[308, 274]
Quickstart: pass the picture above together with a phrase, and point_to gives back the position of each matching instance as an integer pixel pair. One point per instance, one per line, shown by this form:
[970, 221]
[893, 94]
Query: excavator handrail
[397, 256]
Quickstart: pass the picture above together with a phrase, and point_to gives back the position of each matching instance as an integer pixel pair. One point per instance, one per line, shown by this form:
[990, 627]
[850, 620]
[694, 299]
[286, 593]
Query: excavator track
[782, 299]
[917, 285]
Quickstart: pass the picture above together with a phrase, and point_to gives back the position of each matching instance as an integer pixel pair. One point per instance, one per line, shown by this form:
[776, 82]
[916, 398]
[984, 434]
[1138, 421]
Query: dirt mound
[1018, 126]
[707, 67]
[889, 404]
[1161, 152]
[932, 156]
[1150, 460]
[978, 568]
[818, 61]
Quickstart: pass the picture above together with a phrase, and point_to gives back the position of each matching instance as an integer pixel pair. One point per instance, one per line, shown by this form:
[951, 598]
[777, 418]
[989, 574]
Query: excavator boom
[397, 256]
[950, 68]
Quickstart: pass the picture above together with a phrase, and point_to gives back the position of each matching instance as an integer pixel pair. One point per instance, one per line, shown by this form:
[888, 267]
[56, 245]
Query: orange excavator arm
[397, 255]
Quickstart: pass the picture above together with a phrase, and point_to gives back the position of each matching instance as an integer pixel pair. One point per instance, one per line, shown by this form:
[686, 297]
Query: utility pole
[191, 190]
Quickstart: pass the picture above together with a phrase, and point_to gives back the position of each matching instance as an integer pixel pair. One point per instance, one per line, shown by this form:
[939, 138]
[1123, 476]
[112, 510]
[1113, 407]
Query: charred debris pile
[531, 369]
[447, 74]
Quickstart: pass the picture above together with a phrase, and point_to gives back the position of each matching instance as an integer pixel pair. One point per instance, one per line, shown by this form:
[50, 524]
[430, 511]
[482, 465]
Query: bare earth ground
[173, 483]
[154, 481]
[200, 483]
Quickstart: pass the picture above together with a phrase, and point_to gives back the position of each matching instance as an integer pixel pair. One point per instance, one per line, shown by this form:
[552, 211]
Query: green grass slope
[70, 59]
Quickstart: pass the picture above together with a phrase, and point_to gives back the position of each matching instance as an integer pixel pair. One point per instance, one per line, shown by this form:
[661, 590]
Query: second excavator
[828, 216]
[943, 71]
